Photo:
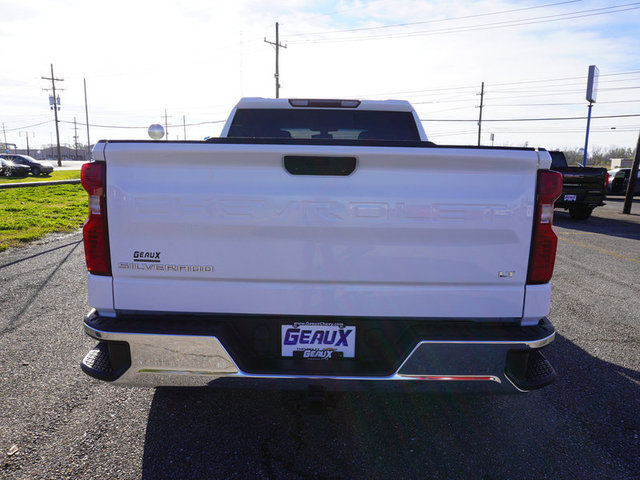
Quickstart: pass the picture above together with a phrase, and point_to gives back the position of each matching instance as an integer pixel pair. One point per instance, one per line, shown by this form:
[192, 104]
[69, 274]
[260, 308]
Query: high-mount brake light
[328, 103]
[544, 240]
[95, 233]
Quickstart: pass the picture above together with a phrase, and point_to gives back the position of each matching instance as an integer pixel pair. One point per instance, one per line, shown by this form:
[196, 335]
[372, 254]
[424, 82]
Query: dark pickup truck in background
[583, 189]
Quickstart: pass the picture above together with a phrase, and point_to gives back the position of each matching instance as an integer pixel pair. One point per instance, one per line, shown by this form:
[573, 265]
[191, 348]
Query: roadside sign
[592, 84]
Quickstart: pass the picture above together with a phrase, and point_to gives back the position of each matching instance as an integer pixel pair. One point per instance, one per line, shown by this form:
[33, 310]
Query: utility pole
[480, 119]
[184, 126]
[55, 106]
[86, 111]
[28, 134]
[277, 44]
[633, 177]
[5, 137]
[75, 136]
[166, 125]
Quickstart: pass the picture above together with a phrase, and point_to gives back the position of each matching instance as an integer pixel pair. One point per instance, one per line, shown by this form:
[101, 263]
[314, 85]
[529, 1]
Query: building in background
[621, 163]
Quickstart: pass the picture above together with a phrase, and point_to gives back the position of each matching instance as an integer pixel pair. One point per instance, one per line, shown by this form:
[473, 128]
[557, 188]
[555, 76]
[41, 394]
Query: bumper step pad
[529, 369]
[107, 361]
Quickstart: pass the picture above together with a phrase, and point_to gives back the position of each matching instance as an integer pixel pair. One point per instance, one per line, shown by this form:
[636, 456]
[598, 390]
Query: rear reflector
[95, 234]
[544, 241]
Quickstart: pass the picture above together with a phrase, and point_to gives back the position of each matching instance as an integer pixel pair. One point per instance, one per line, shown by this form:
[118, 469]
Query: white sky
[197, 58]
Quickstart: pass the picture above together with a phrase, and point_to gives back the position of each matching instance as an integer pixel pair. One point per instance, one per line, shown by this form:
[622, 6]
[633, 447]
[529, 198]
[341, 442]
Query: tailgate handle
[310, 165]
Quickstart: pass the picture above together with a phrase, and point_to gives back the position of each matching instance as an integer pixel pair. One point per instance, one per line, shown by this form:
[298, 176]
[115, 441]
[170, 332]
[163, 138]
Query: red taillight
[544, 240]
[606, 180]
[96, 238]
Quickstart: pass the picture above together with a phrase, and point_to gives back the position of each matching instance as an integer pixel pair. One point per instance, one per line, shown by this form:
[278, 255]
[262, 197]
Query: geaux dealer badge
[318, 341]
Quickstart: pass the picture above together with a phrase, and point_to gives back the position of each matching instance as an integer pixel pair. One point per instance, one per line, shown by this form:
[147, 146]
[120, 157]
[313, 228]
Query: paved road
[586, 425]
[67, 164]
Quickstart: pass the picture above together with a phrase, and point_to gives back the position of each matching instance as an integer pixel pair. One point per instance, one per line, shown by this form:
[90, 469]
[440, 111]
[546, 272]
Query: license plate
[318, 341]
[569, 198]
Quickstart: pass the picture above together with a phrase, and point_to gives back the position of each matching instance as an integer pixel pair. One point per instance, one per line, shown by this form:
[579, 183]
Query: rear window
[324, 124]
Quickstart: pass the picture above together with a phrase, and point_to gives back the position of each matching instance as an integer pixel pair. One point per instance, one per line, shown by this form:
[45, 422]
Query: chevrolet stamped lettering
[323, 211]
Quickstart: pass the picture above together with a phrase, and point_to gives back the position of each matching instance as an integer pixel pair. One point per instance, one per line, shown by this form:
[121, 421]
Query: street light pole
[586, 140]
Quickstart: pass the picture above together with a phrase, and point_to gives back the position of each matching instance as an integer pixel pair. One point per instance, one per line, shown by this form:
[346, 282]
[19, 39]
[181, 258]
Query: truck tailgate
[412, 232]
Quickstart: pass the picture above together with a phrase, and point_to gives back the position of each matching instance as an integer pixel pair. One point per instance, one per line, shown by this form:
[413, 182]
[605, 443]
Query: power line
[28, 126]
[630, 72]
[549, 80]
[569, 130]
[133, 127]
[527, 119]
[573, 90]
[410, 24]
[564, 93]
[433, 135]
[473, 87]
[554, 104]
[488, 26]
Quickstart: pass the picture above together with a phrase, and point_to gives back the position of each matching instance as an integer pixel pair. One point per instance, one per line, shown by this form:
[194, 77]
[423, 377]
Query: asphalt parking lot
[57, 423]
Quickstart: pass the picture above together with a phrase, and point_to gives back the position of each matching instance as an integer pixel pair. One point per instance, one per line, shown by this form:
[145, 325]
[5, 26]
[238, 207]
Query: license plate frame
[318, 341]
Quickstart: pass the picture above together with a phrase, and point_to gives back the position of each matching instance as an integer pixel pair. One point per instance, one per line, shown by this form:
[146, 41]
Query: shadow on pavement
[584, 426]
[596, 224]
[602, 396]
[41, 253]
[18, 319]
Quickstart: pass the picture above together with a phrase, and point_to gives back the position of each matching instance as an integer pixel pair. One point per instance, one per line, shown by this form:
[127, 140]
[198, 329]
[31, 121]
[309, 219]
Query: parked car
[10, 169]
[619, 180]
[36, 167]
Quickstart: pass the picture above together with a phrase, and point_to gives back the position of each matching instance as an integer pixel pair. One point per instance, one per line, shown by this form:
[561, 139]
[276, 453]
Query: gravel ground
[56, 423]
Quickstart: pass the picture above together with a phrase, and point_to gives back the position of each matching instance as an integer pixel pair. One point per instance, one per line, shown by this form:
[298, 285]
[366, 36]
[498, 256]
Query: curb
[39, 184]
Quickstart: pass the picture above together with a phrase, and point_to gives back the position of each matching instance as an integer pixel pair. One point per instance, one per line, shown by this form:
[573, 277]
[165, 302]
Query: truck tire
[580, 212]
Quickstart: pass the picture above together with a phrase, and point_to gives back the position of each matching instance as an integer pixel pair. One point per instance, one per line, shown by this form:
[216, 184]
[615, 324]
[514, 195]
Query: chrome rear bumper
[157, 359]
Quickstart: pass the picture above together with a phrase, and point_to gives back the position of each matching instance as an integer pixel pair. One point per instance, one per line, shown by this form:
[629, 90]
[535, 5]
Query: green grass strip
[27, 214]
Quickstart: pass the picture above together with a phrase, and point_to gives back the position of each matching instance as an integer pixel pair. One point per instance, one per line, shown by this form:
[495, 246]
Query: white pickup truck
[320, 242]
